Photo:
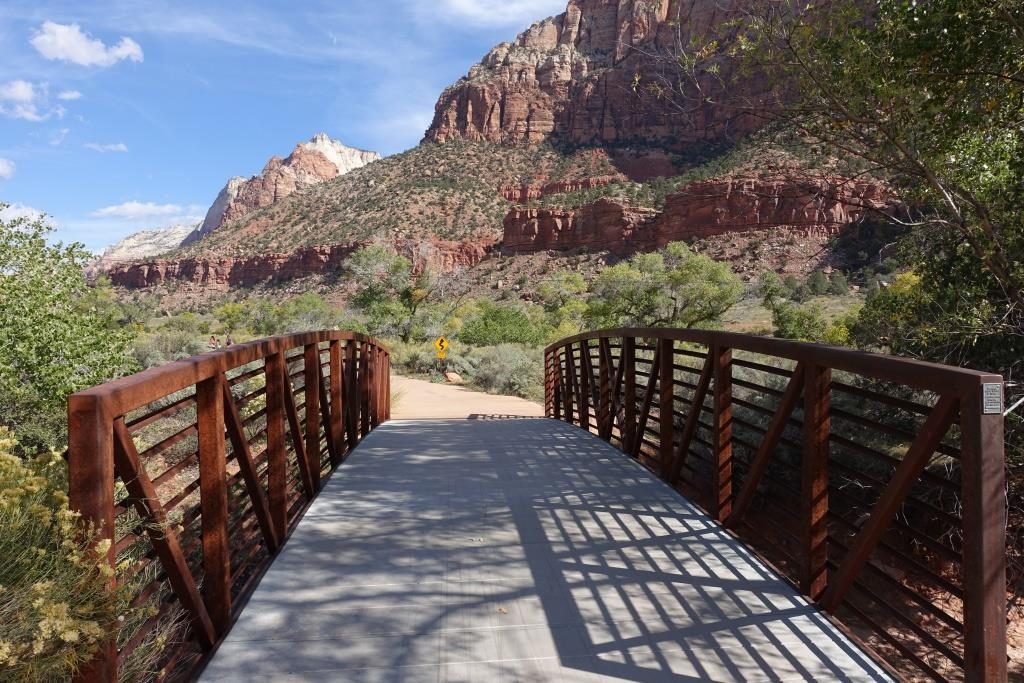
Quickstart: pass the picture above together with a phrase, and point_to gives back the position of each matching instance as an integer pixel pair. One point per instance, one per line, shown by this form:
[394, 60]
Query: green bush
[55, 601]
[510, 369]
[497, 324]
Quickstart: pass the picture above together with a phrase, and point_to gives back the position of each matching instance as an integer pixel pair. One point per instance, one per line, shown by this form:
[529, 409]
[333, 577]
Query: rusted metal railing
[195, 473]
[874, 483]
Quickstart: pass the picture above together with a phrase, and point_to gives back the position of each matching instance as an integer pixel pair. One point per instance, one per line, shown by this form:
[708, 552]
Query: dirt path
[416, 399]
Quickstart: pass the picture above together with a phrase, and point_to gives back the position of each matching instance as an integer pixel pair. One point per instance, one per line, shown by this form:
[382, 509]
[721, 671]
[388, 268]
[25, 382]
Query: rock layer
[702, 209]
[225, 273]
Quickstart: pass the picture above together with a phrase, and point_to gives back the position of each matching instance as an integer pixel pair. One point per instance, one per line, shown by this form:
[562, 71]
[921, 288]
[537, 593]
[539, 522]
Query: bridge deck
[519, 550]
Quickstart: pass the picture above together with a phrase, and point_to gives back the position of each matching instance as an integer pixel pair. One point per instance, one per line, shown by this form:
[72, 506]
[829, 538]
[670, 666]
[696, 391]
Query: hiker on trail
[213, 344]
[228, 341]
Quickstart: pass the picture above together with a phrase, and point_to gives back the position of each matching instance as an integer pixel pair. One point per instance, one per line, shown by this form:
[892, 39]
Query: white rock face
[142, 245]
[345, 158]
[220, 205]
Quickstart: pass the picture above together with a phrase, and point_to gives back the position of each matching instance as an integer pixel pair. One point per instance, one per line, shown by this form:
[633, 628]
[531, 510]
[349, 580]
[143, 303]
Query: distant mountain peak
[310, 163]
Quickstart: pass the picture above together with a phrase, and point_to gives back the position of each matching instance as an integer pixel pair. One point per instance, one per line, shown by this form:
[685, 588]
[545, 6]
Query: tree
[563, 296]
[804, 322]
[670, 288]
[231, 315]
[56, 335]
[924, 95]
[817, 283]
[398, 301]
[497, 324]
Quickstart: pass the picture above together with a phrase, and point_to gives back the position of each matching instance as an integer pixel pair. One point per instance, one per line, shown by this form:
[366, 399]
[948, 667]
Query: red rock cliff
[572, 78]
[702, 209]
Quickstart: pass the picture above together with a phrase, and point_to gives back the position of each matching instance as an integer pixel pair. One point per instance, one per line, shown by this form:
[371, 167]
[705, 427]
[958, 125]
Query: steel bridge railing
[874, 483]
[195, 473]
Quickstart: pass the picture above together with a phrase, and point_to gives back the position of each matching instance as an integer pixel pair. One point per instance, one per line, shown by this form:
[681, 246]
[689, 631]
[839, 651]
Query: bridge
[693, 506]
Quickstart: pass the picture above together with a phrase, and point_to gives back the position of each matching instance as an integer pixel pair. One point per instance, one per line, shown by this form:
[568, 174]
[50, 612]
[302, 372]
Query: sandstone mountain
[311, 163]
[545, 146]
[580, 77]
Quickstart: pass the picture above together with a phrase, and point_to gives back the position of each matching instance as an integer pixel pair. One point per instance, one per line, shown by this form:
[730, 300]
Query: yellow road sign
[441, 344]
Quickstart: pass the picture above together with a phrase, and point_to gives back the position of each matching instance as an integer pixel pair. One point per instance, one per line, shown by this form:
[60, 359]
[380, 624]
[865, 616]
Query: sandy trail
[418, 400]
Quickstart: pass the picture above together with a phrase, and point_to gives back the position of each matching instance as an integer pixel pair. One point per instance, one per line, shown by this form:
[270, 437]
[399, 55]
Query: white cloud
[513, 13]
[68, 95]
[6, 168]
[18, 91]
[68, 43]
[15, 211]
[24, 100]
[140, 210]
[58, 136]
[114, 147]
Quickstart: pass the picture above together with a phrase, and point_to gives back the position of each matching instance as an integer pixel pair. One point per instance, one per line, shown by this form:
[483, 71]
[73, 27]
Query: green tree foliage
[495, 324]
[817, 283]
[56, 335]
[670, 288]
[805, 322]
[230, 315]
[838, 285]
[564, 298]
[928, 96]
[398, 302]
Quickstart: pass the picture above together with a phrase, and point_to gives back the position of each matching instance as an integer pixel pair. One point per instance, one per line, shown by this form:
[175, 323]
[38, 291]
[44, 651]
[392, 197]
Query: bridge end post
[91, 495]
[983, 572]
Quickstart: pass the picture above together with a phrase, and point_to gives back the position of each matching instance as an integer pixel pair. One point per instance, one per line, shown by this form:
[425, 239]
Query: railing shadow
[526, 550]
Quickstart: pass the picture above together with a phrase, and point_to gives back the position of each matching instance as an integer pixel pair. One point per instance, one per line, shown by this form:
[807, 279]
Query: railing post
[573, 395]
[629, 400]
[814, 480]
[378, 386]
[584, 402]
[983, 481]
[549, 389]
[721, 503]
[666, 406]
[604, 409]
[364, 389]
[337, 405]
[351, 395]
[562, 358]
[311, 388]
[387, 386]
[277, 470]
[213, 502]
[91, 494]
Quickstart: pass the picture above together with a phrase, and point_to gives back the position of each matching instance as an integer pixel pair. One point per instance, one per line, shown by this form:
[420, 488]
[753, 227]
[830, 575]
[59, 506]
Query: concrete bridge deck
[520, 550]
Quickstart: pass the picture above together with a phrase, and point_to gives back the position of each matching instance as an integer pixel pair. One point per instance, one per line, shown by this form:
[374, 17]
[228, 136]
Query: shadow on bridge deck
[519, 550]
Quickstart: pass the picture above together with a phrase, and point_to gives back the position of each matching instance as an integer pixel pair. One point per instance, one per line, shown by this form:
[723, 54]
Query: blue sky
[122, 115]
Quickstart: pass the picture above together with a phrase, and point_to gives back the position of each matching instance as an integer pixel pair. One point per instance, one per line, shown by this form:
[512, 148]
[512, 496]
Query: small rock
[454, 378]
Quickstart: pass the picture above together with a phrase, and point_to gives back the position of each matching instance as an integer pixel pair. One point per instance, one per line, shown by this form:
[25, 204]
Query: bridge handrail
[213, 519]
[888, 509]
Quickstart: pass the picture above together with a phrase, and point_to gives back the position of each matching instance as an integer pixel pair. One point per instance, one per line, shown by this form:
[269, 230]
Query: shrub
[55, 601]
[818, 283]
[839, 285]
[511, 370]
